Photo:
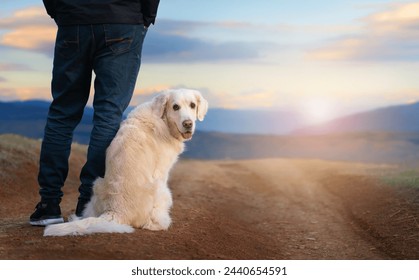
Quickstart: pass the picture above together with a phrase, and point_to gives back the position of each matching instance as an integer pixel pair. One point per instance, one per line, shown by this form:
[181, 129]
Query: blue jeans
[113, 52]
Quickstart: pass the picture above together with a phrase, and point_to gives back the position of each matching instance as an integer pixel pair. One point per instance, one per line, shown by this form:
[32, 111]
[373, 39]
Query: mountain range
[401, 118]
[29, 117]
[383, 135]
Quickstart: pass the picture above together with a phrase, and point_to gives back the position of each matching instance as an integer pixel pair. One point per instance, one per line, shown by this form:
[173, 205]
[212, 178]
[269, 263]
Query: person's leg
[116, 65]
[70, 91]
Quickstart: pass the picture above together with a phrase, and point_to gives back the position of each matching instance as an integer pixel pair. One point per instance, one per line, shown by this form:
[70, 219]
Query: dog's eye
[176, 107]
[193, 105]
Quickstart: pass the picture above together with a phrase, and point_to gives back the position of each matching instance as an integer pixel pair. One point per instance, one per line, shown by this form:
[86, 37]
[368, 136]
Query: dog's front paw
[162, 224]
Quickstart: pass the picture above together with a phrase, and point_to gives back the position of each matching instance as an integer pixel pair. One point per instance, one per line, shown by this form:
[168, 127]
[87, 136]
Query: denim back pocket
[67, 43]
[119, 37]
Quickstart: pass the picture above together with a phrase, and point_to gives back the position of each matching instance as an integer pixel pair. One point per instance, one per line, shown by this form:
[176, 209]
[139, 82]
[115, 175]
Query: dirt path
[260, 209]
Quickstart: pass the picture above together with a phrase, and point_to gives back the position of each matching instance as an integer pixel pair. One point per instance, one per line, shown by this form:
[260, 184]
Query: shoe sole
[46, 222]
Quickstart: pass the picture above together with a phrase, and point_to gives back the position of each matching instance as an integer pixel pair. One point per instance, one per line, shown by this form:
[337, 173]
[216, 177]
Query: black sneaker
[81, 204]
[46, 213]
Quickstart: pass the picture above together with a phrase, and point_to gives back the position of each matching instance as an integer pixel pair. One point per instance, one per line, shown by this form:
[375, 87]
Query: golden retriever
[134, 191]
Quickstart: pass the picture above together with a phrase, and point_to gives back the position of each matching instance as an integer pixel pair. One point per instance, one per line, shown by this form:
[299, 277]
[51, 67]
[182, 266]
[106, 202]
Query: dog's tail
[87, 226]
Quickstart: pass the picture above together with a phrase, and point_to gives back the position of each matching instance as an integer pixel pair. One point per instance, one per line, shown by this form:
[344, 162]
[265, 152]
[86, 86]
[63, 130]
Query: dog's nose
[187, 124]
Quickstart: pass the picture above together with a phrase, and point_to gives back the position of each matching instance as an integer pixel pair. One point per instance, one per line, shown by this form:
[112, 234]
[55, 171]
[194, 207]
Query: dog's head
[180, 108]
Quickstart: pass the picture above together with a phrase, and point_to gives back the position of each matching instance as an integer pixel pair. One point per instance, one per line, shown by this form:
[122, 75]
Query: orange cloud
[142, 95]
[25, 93]
[392, 34]
[29, 37]
[24, 17]
[31, 12]
[151, 90]
[257, 98]
[29, 29]
[339, 50]
[14, 67]
[400, 13]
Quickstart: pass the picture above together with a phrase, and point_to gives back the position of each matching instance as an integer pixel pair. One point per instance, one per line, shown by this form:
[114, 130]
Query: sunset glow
[317, 111]
[326, 59]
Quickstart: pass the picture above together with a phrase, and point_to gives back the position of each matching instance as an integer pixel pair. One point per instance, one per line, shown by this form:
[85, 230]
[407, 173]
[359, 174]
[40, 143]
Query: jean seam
[121, 39]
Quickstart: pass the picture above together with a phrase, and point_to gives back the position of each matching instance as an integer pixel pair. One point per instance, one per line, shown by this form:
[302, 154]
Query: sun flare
[317, 111]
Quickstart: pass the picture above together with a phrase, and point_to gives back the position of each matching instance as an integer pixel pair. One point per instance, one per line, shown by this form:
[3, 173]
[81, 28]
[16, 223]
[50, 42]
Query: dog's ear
[202, 106]
[158, 104]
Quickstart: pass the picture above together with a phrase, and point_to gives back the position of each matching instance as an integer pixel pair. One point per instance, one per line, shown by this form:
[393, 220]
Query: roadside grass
[406, 185]
[407, 178]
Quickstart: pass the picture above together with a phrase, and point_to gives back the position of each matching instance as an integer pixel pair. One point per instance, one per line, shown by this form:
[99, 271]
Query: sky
[321, 58]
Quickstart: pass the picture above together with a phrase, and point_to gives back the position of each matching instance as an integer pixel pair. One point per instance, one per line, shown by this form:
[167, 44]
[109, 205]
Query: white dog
[134, 191]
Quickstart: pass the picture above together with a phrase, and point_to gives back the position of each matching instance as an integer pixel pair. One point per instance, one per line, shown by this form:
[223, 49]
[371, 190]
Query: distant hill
[28, 118]
[382, 148]
[388, 135]
[401, 118]
[374, 147]
[249, 121]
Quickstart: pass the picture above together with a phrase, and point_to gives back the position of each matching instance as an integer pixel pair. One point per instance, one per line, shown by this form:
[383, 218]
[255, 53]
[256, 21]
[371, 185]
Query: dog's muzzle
[187, 125]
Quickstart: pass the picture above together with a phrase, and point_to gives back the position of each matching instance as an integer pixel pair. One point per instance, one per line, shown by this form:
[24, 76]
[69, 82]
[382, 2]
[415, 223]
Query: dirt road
[259, 209]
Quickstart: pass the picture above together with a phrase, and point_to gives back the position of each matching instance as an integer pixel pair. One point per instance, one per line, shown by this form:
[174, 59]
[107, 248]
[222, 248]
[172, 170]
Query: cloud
[392, 34]
[8, 94]
[35, 38]
[167, 48]
[25, 93]
[142, 95]
[26, 17]
[146, 94]
[169, 41]
[9, 67]
[172, 41]
[29, 29]
[14, 67]
[252, 98]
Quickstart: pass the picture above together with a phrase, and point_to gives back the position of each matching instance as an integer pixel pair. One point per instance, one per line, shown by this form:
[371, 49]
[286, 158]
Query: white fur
[134, 191]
